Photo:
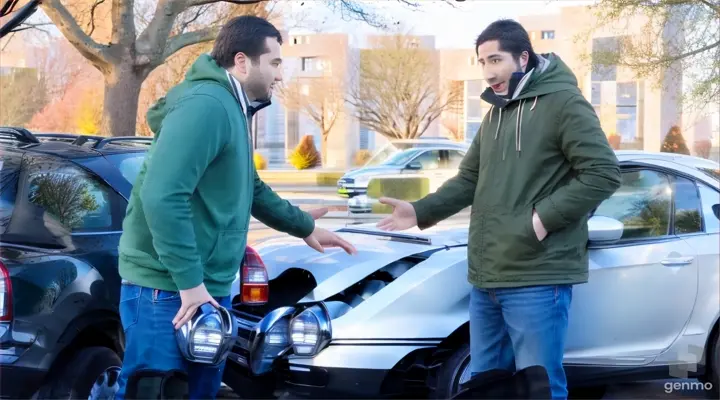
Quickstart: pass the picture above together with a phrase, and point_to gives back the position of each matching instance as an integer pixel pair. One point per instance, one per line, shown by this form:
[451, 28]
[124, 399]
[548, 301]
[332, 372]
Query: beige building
[639, 111]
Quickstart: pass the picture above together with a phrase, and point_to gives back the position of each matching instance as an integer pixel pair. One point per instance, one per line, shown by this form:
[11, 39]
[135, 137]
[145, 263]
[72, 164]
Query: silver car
[393, 320]
[432, 158]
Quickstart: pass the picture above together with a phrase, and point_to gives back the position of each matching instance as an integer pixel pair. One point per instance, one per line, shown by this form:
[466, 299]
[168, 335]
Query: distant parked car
[392, 321]
[434, 159]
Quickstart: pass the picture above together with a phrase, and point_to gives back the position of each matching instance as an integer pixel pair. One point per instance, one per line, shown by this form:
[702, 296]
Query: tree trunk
[323, 147]
[122, 95]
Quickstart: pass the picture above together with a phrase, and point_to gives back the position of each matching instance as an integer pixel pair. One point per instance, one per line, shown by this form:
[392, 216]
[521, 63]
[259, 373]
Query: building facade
[639, 111]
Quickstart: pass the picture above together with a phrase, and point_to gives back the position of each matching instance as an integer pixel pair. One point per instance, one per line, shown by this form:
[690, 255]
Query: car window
[9, 172]
[401, 158]
[642, 203]
[429, 159]
[129, 164]
[71, 196]
[710, 197]
[688, 216]
[454, 159]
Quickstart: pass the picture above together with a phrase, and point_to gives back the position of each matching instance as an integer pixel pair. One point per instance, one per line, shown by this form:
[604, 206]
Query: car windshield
[129, 164]
[714, 173]
[401, 158]
[388, 150]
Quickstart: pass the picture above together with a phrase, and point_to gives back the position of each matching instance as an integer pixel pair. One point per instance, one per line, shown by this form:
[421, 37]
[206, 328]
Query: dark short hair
[511, 37]
[245, 34]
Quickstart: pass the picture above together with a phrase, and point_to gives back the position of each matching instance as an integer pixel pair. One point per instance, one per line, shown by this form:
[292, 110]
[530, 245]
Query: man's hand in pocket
[538, 227]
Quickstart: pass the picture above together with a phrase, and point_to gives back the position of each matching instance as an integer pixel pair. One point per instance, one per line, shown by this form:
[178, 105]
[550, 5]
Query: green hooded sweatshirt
[189, 212]
[541, 150]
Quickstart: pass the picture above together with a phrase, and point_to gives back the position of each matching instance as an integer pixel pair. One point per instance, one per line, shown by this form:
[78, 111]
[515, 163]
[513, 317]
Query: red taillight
[254, 283]
[6, 309]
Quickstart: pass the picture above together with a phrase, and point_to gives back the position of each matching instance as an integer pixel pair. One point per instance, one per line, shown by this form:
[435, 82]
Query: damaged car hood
[335, 270]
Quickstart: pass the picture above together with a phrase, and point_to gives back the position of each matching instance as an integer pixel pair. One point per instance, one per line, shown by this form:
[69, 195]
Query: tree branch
[61, 17]
[123, 21]
[92, 16]
[183, 40]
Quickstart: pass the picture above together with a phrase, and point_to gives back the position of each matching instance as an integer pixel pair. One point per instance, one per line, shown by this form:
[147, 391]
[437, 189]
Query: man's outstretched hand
[322, 239]
[403, 215]
[318, 213]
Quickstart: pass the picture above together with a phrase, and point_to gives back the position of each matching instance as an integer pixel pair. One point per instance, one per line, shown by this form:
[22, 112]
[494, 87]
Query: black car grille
[246, 323]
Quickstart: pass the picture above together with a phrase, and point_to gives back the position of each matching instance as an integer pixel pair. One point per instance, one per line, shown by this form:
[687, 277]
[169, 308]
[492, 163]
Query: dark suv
[63, 199]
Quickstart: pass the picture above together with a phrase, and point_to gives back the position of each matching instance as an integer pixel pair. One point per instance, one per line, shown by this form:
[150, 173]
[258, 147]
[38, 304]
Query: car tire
[712, 375]
[450, 372]
[76, 378]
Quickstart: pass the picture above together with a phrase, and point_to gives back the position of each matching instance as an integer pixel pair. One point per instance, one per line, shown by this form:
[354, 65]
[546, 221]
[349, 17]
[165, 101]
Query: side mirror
[414, 166]
[604, 230]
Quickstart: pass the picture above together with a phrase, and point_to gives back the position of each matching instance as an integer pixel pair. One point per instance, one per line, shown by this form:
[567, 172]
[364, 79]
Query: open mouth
[498, 87]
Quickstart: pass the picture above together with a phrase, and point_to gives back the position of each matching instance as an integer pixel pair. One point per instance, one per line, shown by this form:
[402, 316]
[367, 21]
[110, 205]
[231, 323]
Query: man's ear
[524, 59]
[241, 61]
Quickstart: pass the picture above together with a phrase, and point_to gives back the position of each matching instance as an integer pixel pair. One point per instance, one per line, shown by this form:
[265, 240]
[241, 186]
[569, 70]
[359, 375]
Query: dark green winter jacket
[541, 150]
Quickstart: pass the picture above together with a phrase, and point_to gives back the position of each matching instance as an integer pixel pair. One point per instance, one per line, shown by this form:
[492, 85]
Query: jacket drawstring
[497, 131]
[518, 124]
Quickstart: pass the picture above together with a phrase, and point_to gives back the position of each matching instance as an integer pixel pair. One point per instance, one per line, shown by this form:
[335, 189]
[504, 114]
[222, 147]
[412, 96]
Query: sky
[467, 18]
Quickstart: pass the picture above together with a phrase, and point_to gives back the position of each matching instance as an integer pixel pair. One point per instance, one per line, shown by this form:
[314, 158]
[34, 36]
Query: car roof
[70, 146]
[682, 159]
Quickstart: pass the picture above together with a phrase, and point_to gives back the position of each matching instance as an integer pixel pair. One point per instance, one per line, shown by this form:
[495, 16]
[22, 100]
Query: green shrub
[305, 154]
[674, 142]
[402, 187]
[361, 157]
[328, 178]
[260, 162]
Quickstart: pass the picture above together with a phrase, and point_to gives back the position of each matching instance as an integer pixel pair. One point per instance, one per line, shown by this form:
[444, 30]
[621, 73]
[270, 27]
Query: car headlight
[208, 337]
[270, 339]
[310, 331]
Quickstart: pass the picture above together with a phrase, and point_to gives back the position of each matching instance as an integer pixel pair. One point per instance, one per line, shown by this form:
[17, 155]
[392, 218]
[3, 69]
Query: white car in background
[393, 319]
[436, 158]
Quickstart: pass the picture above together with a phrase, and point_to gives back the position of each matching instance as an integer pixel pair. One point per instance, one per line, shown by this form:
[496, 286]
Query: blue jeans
[150, 342]
[515, 328]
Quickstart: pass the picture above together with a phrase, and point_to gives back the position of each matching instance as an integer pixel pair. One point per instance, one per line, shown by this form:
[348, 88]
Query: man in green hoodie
[185, 232]
[534, 173]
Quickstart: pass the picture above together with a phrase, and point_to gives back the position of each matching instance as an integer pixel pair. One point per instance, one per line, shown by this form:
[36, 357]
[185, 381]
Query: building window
[602, 50]
[548, 35]
[473, 108]
[626, 112]
[364, 138]
[308, 63]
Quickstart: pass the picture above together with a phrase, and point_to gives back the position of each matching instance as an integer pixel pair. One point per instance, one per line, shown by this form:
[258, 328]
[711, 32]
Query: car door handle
[677, 261]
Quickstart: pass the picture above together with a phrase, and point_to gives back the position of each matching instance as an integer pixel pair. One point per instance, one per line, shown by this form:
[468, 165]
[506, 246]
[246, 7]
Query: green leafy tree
[679, 38]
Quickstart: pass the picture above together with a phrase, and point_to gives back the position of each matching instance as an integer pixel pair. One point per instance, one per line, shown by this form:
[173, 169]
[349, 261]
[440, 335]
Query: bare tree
[398, 93]
[132, 54]
[320, 98]
[680, 38]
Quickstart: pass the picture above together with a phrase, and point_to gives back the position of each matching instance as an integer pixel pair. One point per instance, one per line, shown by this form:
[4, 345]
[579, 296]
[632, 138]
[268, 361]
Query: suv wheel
[91, 374]
[453, 373]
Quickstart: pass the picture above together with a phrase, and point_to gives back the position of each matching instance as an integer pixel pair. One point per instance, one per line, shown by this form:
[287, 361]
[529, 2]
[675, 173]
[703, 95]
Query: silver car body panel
[646, 303]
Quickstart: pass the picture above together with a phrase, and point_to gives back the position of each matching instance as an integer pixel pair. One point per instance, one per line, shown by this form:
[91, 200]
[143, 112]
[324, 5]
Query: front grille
[246, 323]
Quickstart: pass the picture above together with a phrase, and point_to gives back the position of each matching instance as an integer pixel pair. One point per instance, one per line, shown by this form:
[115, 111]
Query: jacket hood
[204, 69]
[551, 75]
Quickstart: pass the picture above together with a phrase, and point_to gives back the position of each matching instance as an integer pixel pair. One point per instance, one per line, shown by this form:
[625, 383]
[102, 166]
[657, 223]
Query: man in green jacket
[185, 232]
[535, 171]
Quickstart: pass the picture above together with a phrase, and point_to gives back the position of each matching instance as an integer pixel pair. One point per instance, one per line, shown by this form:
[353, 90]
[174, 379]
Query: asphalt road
[658, 389]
